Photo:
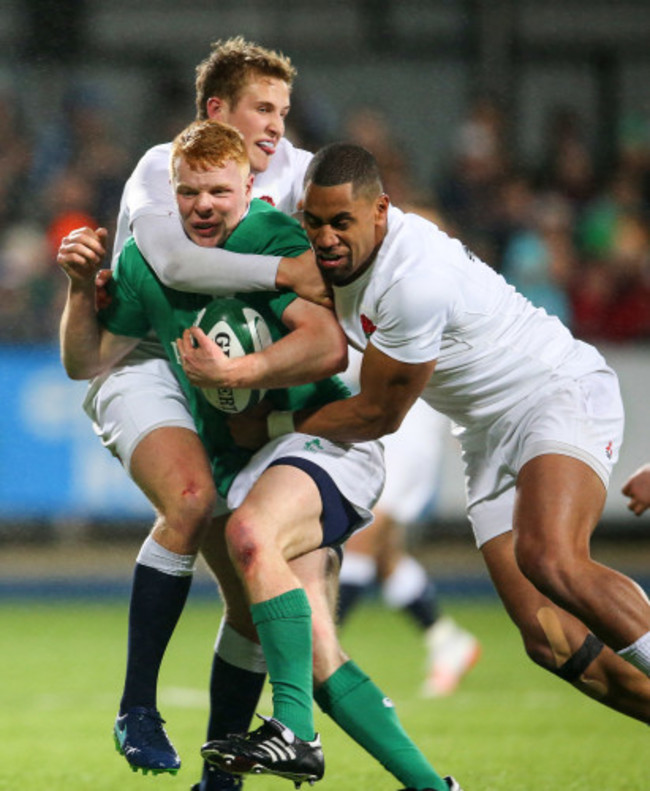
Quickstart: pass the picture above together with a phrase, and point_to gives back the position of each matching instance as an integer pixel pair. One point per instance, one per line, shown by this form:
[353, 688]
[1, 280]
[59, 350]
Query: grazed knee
[243, 544]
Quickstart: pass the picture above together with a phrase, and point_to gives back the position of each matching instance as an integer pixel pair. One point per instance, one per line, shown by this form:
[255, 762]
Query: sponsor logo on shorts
[609, 450]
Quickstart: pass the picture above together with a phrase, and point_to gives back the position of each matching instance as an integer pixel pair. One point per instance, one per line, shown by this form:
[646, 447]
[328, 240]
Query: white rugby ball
[238, 330]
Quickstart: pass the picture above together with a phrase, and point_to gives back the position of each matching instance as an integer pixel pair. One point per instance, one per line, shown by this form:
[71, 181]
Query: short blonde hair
[208, 144]
[231, 65]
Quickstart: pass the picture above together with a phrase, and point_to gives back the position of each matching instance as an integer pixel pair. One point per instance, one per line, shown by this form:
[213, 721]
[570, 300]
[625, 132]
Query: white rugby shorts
[356, 469]
[132, 401]
[582, 418]
[413, 457]
[136, 399]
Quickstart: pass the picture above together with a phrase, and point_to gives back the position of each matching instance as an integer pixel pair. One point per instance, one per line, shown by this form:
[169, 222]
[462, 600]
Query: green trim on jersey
[141, 303]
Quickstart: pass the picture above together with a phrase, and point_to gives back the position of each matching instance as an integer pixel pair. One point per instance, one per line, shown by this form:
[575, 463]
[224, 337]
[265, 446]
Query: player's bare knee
[531, 558]
[198, 501]
[188, 515]
[243, 544]
[548, 571]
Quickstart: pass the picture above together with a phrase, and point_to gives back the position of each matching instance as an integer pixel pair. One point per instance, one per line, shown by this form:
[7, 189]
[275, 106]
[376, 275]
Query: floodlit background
[523, 127]
[520, 125]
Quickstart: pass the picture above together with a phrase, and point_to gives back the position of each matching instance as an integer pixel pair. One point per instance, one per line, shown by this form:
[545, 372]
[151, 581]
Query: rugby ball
[238, 330]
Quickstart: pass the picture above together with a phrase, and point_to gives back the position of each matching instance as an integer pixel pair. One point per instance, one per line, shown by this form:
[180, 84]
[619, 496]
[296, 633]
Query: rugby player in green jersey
[297, 494]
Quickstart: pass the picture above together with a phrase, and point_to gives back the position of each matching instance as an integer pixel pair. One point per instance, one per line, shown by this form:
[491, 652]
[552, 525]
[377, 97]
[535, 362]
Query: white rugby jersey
[426, 297]
[148, 189]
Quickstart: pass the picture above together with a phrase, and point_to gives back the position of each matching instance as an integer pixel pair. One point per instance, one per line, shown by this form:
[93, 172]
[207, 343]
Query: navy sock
[425, 608]
[214, 779]
[157, 601]
[234, 695]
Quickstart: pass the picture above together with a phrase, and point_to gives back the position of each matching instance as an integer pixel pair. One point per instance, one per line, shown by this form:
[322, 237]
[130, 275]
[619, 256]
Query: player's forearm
[349, 420]
[183, 265]
[80, 334]
[300, 357]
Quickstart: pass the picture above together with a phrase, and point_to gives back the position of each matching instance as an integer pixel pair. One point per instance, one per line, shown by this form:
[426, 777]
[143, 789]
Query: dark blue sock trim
[339, 517]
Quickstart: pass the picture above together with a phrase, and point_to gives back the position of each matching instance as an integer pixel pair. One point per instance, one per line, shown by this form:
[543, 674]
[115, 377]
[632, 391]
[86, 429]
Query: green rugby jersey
[141, 303]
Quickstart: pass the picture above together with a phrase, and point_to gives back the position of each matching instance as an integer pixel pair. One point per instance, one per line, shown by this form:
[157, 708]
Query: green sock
[284, 627]
[353, 701]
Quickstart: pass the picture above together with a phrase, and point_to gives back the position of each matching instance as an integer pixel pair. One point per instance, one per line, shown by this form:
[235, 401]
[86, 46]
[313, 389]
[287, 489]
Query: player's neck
[364, 267]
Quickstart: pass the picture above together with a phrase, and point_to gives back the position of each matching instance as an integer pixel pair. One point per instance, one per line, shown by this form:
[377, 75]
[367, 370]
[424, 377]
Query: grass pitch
[510, 727]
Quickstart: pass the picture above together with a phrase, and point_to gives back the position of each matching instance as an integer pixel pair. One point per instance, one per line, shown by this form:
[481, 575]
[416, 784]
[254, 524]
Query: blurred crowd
[68, 174]
[571, 235]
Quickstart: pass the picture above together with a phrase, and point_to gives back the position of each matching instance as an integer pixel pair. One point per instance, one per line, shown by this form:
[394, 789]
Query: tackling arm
[388, 389]
[182, 265]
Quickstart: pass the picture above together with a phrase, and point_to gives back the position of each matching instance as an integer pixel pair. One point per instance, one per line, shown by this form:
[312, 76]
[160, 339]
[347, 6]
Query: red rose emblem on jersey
[367, 326]
[268, 199]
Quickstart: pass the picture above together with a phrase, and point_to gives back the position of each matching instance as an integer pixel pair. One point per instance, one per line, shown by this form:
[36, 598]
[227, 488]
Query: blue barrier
[52, 465]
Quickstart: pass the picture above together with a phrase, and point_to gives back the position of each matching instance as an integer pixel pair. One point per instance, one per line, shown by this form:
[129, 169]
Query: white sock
[238, 650]
[155, 556]
[406, 584]
[638, 654]
[357, 569]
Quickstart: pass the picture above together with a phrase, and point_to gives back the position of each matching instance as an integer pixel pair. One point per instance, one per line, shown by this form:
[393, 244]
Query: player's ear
[214, 108]
[249, 184]
[381, 206]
